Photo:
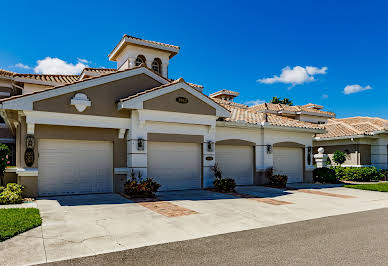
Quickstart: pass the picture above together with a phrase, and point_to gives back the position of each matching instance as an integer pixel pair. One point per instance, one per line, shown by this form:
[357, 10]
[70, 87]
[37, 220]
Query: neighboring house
[363, 139]
[86, 134]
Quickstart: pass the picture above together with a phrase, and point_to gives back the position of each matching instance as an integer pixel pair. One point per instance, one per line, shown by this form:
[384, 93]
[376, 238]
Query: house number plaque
[30, 141]
[29, 157]
[182, 100]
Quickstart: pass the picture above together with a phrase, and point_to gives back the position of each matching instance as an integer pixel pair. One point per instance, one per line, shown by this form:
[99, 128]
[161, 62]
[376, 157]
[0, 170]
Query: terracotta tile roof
[223, 102]
[353, 126]
[6, 73]
[60, 79]
[283, 107]
[224, 92]
[100, 70]
[242, 113]
[153, 42]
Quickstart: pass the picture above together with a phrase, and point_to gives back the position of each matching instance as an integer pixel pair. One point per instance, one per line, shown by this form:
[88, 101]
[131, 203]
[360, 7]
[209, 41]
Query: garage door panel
[75, 167]
[175, 165]
[288, 161]
[236, 162]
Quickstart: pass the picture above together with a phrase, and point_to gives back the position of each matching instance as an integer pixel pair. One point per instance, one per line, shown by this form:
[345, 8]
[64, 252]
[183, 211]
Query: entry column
[137, 146]
[208, 157]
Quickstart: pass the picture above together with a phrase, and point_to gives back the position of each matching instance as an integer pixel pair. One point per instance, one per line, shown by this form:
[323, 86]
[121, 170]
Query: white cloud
[83, 60]
[296, 75]
[20, 65]
[324, 96]
[255, 102]
[51, 65]
[315, 70]
[355, 88]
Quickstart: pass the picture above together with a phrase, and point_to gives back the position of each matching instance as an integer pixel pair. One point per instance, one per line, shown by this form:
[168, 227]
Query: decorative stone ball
[321, 150]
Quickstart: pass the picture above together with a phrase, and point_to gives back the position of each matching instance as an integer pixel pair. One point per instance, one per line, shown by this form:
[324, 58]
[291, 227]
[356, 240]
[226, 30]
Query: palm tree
[276, 100]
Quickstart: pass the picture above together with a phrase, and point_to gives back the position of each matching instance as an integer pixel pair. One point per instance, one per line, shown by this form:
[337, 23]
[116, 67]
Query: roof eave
[343, 137]
[113, 55]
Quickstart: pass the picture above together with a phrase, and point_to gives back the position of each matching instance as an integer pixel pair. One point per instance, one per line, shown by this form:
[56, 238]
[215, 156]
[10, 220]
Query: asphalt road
[351, 239]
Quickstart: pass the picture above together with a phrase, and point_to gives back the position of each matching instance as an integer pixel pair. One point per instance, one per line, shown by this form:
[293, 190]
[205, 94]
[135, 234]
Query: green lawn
[15, 221]
[382, 187]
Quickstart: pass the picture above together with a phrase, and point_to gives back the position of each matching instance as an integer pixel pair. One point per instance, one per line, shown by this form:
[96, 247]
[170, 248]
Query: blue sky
[224, 44]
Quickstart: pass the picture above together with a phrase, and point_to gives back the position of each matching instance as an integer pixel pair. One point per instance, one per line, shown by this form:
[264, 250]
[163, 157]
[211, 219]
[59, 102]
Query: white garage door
[236, 162]
[175, 165]
[75, 167]
[288, 161]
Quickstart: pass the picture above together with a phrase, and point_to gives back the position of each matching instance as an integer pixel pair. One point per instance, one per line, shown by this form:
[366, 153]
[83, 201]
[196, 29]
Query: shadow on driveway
[192, 195]
[90, 199]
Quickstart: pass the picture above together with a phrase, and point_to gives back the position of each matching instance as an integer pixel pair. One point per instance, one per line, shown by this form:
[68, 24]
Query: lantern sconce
[140, 144]
[269, 149]
[210, 146]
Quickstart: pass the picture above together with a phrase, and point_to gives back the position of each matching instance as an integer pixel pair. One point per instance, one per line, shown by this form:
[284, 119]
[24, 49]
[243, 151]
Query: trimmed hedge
[11, 194]
[361, 174]
[325, 175]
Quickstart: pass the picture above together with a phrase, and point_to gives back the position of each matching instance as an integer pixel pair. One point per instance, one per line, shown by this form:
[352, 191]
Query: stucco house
[364, 140]
[85, 133]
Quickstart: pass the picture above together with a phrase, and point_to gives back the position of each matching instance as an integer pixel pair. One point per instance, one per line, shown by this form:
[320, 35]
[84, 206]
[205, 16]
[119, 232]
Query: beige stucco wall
[167, 102]
[103, 97]
[356, 154]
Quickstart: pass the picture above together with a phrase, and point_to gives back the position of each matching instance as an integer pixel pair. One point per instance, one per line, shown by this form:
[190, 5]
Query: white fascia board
[299, 129]
[137, 102]
[27, 172]
[267, 125]
[173, 117]
[344, 137]
[315, 114]
[26, 102]
[62, 119]
[237, 125]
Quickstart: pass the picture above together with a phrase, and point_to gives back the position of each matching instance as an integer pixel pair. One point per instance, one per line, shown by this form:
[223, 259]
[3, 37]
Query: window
[140, 60]
[156, 65]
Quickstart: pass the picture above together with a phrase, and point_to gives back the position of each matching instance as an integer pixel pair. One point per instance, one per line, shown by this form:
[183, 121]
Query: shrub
[339, 157]
[12, 194]
[222, 184]
[361, 174]
[137, 187]
[325, 175]
[278, 180]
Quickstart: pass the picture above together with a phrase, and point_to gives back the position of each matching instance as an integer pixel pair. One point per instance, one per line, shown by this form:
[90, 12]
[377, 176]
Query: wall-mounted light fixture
[210, 146]
[269, 149]
[140, 144]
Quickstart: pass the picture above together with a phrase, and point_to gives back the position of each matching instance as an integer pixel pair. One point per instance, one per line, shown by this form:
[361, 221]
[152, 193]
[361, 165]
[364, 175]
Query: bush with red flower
[137, 187]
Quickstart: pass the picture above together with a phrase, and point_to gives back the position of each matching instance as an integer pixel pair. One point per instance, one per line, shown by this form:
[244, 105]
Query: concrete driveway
[77, 226]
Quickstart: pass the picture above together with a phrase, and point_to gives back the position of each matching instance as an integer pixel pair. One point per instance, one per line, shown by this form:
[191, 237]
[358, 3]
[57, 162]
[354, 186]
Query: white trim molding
[122, 133]
[77, 120]
[121, 171]
[137, 102]
[27, 171]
